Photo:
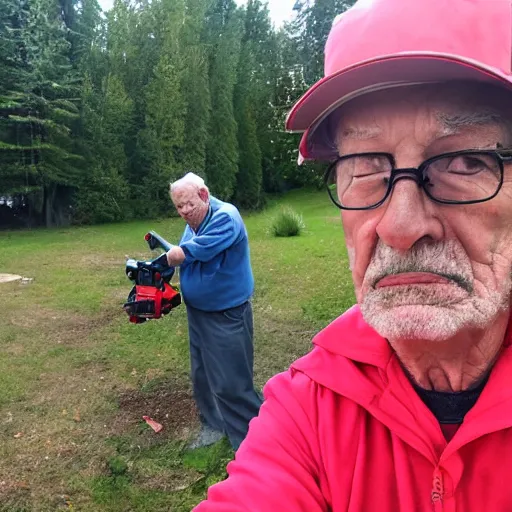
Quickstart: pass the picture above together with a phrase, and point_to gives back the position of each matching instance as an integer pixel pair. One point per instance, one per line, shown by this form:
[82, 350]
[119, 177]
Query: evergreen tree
[39, 111]
[54, 96]
[98, 114]
[261, 42]
[196, 88]
[89, 41]
[249, 179]
[107, 115]
[162, 139]
[133, 48]
[13, 109]
[302, 45]
[310, 30]
[282, 171]
[224, 31]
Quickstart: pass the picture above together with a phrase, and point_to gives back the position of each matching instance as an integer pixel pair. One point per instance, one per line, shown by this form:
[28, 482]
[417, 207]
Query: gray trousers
[221, 357]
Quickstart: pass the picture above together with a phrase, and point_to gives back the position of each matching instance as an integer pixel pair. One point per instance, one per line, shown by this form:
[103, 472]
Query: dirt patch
[171, 481]
[14, 495]
[41, 318]
[101, 260]
[74, 330]
[170, 403]
[64, 327]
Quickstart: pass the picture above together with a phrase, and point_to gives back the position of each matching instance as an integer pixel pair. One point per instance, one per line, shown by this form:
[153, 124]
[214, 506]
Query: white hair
[189, 179]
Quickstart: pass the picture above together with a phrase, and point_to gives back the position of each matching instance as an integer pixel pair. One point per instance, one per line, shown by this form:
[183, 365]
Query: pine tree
[162, 139]
[196, 88]
[89, 41]
[54, 96]
[224, 34]
[13, 110]
[300, 50]
[103, 192]
[98, 114]
[261, 41]
[39, 111]
[311, 27]
[281, 171]
[249, 178]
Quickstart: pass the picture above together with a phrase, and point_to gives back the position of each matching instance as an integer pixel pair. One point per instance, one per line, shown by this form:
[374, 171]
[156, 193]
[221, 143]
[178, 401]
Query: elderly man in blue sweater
[217, 284]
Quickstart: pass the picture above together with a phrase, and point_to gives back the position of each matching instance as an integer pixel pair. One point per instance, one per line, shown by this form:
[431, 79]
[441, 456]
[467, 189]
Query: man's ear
[203, 194]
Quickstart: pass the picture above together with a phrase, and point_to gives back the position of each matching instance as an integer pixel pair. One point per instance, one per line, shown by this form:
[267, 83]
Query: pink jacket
[344, 430]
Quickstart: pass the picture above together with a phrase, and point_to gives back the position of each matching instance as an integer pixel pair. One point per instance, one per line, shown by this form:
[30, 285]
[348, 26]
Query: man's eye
[361, 166]
[468, 164]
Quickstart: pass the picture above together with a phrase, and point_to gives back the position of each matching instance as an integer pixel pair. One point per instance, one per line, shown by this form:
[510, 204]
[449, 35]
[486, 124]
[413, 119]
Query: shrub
[287, 223]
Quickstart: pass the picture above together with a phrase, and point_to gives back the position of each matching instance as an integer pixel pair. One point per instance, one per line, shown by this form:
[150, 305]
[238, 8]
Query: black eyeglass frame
[501, 156]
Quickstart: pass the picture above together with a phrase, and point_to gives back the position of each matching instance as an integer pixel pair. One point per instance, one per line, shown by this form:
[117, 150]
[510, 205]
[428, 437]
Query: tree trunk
[49, 195]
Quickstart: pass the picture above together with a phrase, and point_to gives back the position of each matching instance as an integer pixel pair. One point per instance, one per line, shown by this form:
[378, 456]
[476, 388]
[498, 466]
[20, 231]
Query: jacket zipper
[437, 490]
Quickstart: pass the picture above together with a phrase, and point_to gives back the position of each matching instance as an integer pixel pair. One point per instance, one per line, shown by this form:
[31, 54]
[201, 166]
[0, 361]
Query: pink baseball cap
[380, 44]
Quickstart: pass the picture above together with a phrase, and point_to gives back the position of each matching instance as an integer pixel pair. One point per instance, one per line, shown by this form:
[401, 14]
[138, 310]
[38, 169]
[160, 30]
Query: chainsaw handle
[155, 241]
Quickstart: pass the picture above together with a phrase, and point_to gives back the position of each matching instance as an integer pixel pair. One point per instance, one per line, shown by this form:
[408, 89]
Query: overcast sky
[280, 10]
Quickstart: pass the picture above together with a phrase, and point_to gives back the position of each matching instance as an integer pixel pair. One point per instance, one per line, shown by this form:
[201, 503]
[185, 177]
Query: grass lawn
[76, 377]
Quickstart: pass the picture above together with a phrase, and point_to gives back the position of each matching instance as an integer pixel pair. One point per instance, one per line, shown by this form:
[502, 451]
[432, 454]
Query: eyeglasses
[364, 181]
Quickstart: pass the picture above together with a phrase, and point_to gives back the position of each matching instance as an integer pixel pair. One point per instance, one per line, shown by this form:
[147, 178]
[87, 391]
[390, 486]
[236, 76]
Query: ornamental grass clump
[287, 223]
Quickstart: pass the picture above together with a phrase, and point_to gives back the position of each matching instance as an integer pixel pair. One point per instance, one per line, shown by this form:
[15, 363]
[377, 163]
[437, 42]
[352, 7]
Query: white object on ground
[8, 278]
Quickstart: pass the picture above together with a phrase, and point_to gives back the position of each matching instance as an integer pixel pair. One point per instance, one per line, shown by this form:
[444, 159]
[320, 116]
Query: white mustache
[446, 259]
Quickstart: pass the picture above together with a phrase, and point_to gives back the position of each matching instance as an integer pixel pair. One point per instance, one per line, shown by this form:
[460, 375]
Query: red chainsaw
[153, 294]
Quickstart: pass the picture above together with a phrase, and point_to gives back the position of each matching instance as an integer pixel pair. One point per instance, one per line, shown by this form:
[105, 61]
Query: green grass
[287, 222]
[76, 377]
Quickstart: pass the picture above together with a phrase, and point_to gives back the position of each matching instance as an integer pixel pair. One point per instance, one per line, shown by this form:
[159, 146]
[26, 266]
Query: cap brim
[407, 68]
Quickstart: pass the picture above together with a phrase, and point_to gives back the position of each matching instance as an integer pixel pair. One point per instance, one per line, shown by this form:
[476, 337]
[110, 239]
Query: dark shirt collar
[450, 408]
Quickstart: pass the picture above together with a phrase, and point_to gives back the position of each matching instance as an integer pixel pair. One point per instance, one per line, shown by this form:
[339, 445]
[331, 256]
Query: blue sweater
[216, 274]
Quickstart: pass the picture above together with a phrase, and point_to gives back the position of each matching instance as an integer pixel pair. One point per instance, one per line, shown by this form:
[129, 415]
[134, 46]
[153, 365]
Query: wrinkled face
[191, 204]
[424, 270]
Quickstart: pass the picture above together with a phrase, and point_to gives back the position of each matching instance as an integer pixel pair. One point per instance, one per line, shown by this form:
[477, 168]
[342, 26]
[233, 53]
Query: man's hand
[175, 256]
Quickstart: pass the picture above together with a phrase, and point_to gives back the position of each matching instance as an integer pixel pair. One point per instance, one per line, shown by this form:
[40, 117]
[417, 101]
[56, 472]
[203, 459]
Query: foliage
[224, 27]
[287, 222]
[38, 111]
[117, 466]
[196, 88]
[102, 195]
[163, 136]
[309, 32]
[250, 174]
[98, 113]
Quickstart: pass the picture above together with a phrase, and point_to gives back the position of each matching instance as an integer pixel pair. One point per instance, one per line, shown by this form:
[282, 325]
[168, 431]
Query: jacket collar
[349, 358]
[354, 361]
[351, 337]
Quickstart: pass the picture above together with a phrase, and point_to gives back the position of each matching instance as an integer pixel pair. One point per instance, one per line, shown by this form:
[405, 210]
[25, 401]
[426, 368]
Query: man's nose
[409, 216]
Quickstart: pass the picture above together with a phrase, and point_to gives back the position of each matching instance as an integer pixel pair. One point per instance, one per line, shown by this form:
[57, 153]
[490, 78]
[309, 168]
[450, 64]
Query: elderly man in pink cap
[405, 402]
